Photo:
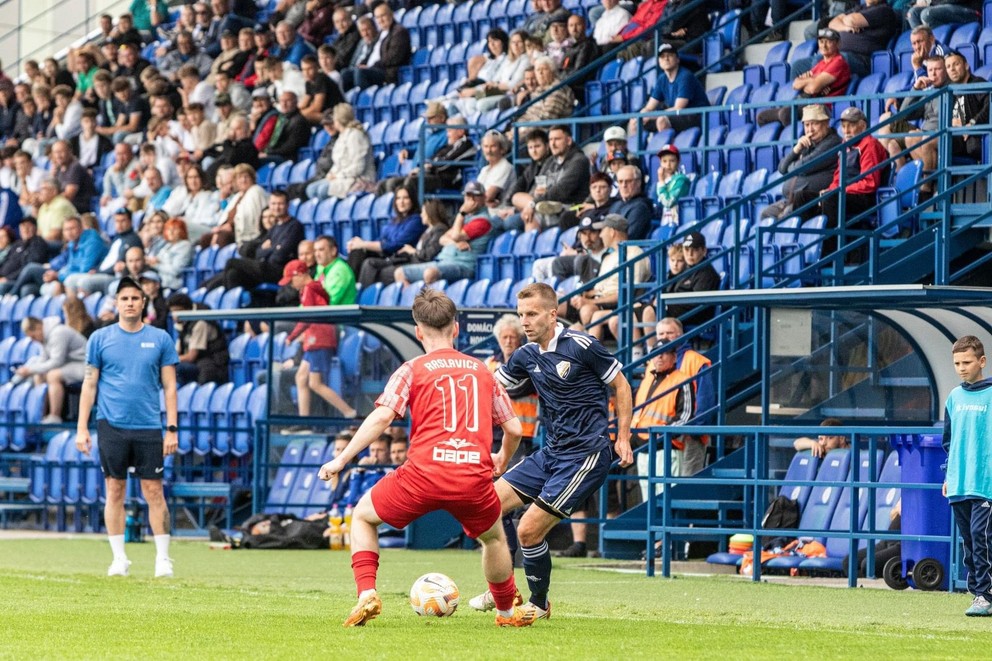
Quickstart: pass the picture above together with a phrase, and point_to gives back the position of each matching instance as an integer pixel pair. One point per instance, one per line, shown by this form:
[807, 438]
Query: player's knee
[152, 491]
[115, 490]
[529, 535]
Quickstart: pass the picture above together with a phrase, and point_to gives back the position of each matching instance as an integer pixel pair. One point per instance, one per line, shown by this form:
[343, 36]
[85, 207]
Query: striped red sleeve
[502, 405]
[396, 394]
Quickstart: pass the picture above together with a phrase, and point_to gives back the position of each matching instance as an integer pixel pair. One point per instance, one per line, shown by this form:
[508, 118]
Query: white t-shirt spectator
[609, 24]
[498, 175]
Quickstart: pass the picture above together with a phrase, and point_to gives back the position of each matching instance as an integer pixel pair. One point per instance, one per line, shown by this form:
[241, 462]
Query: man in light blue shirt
[126, 364]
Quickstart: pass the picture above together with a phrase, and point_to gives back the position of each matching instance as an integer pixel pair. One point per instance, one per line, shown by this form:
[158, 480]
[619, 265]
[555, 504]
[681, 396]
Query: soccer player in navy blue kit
[126, 364]
[573, 375]
[967, 416]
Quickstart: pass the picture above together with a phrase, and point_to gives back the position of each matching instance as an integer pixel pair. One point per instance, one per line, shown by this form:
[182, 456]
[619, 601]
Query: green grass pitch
[56, 602]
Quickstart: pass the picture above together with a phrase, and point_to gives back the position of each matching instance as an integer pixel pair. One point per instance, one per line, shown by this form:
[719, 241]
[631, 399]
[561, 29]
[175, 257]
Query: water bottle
[347, 515]
[337, 536]
[133, 528]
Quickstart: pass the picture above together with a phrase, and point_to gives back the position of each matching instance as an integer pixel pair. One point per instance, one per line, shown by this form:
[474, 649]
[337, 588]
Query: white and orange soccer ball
[434, 594]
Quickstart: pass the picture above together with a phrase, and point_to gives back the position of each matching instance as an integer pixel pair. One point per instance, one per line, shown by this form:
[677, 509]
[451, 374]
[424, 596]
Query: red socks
[504, 593]
[365, 564]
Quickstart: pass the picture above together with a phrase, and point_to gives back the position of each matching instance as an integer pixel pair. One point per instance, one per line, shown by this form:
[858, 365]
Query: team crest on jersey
[563, 368]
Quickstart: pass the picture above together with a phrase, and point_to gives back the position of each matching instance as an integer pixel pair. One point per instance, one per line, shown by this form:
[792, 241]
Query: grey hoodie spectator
[62, 360]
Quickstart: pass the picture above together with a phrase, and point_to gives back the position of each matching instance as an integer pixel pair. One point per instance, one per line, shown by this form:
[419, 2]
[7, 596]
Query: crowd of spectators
[154, 136]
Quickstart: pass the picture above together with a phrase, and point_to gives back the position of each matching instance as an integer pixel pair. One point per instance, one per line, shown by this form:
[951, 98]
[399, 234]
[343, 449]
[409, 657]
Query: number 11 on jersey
[459, 398]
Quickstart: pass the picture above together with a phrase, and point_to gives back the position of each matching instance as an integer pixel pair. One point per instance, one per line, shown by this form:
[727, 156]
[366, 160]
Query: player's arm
[625, 405]
[513, 430]
[374, 425]
[86, 398]
[167, 374]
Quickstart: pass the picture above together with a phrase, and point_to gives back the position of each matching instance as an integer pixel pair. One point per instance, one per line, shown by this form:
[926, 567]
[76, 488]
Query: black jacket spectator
[568, 177]
[294, 135]
[273, 254]
[231, 152]
[22, 253]
[346, 45]
[103, 147]
[395, 52]
[524, 183]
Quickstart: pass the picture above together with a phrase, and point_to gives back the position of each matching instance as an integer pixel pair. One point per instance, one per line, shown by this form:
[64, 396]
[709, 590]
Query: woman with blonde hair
[175, 256]
[76, 316]
[354, 165]
[242, 221]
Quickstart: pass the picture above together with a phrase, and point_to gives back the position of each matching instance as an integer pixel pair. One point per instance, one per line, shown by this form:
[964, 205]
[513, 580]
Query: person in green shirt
[333, 272]
[148, 14]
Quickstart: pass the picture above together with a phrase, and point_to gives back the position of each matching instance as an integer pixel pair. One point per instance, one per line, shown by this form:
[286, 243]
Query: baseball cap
[615, 133]
[694, 240]
[615, 221]
[125, 282]
[617, 155]
[31, 220]
[433, 109]
[828, 33]
[223, 99]
[669, 149]
[327, 118]
[815, 113]
[474, 188]
[122, 211]
[853, 114]
[262, 28]
[261, 93]
[293, 267]
[150, 275]
[587, 224]
[667, 48]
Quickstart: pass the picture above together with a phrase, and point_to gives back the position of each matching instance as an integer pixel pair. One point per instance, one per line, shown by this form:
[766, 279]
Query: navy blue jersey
[571, 380]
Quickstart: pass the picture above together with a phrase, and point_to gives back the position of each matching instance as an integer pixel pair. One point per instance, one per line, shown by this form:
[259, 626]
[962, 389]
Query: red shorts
[399, 500]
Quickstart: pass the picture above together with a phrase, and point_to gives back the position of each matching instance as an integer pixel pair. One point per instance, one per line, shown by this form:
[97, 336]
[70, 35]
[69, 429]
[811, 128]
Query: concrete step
[796, 29]
[756, 53]
[729, 79]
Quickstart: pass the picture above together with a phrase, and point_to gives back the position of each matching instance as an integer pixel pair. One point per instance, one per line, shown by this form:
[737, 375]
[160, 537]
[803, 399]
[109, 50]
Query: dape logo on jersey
[457, 455]
[563, 368]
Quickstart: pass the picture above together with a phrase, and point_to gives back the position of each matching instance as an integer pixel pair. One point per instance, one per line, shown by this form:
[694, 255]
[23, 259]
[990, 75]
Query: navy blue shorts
[559, 485]
[320, 362]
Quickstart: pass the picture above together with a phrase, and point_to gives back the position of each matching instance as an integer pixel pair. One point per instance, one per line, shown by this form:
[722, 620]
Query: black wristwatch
[172, 428]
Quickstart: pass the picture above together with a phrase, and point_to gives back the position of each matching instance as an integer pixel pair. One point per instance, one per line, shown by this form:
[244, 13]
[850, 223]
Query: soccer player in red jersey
[454, 403]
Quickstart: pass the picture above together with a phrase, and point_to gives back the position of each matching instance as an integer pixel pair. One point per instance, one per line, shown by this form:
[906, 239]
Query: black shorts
[135, 451]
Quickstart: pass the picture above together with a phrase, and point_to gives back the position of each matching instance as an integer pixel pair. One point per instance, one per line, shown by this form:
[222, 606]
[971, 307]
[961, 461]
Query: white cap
[615, 133]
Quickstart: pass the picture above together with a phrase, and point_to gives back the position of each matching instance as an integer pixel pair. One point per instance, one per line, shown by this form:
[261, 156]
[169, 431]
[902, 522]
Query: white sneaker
[51, 420]
[483, 602]
[163, 568]
[119, 567]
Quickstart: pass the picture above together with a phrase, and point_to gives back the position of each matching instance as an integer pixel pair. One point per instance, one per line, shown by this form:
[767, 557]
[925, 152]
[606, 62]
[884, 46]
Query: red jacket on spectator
[860, 158]
[315, 336]
[647, 15]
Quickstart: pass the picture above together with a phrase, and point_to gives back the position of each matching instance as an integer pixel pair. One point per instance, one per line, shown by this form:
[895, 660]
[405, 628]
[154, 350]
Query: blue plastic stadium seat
[282, 483]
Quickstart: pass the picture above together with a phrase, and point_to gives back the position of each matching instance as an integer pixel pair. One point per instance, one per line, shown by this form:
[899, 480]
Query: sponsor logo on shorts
[160, 469]
[458, 454]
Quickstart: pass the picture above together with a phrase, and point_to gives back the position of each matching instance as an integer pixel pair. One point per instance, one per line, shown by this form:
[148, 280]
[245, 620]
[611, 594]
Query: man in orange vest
[666, 396]
[692, 457]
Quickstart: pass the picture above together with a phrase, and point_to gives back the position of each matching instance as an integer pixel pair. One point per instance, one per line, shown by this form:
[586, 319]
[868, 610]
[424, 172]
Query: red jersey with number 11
[454, 404]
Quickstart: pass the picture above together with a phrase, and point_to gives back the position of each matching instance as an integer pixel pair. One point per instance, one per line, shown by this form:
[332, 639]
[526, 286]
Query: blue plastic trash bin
[924, 511]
